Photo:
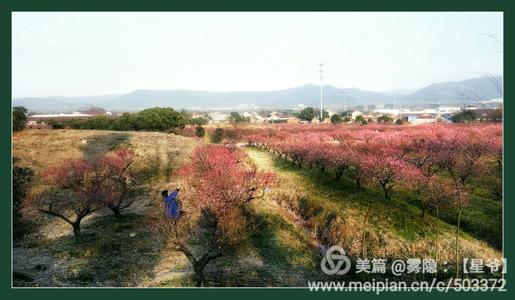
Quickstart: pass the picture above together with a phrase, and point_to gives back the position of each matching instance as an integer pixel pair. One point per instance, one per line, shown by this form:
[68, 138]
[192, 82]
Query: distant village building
[420, 117]
[449, 109]
[388, 111]
[218, 117]
[60, 115]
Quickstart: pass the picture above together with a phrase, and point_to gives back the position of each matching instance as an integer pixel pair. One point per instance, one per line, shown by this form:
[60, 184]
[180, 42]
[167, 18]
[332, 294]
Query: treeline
[151, 119]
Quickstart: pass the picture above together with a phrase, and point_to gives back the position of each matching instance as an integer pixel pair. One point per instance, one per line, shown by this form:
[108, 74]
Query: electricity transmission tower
[321, 71]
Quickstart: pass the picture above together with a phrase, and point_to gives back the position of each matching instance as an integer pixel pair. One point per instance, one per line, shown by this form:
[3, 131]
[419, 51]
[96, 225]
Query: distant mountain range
[446, 93]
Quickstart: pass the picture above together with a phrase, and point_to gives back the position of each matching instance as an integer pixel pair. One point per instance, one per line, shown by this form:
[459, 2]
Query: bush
[200, 131]
[126, 122]
[236, 117]
[22, 177]
[152, 119]
[336, 119]
[307, 114]
[218, 136]
[97, 123]
[159, 119]
[466, 116]
[360, 119]
[199, 121]
[55, 124]
[19, 118]
[399, 122]
[384, 119]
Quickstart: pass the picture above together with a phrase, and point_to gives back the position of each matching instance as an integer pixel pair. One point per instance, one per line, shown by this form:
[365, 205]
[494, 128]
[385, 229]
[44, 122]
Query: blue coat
[171, 205]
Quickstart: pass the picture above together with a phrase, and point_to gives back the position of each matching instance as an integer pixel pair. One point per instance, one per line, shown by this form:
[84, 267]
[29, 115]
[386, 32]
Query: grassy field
[394, 227]
[297, 218]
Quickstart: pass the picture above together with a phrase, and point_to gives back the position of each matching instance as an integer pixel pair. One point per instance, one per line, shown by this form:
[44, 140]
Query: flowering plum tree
[74, 193]
[385, 171]
[118, 180]
[218, 184]
[79, 187]
[459, 153]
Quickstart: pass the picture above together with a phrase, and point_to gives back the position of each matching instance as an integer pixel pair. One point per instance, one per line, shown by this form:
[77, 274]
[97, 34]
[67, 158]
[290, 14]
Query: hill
[454, 92]
[446, 93]
[61, 104]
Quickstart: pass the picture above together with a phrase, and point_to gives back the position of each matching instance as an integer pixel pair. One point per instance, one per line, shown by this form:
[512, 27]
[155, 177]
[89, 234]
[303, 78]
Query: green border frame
[8, 6]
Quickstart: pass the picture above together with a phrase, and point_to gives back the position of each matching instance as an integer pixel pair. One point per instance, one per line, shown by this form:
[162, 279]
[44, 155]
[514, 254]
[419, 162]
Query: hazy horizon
[99, 53]
[228, 91]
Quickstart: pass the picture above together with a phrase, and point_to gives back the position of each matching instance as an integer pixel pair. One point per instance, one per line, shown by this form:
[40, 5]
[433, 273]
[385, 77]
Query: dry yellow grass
[157, 154]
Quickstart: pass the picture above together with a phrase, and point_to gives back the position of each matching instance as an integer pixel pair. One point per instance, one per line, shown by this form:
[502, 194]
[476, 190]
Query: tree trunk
[423, 215]
[436, 235]
[199, 264]
[76, 231]
[116, 210]
[385, 189]
[200, 279]
[457, 242]
[364, 234]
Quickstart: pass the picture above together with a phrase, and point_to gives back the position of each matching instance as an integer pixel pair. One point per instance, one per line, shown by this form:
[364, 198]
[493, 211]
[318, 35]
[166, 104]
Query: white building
[218, 117]
[389, 111]
[62, 115]
[449, 109]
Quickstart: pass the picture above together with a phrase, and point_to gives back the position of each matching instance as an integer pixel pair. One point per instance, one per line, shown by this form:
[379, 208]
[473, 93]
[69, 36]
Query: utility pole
[345, 107]
[321, 92]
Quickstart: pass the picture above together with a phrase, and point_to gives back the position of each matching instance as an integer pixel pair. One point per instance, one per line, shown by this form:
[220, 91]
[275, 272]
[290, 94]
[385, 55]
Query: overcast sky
[91, 53]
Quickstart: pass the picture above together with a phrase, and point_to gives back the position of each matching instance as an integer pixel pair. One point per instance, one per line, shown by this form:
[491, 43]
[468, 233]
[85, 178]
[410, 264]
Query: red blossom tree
[73, 193]
[460, 153]
[218, 183]
[118, 180]
[385, 171]
[79, 187]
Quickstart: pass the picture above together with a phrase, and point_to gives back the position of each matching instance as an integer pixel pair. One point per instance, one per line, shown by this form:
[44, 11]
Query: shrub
[200, 131]
[97, 123]
[218, 136]
[336, 119]
[307, 114]
[360, 119]
[384, 119]
[159, 119]
[19, 118]
[22, 177]
[236, 117]
[152, 119]
[199, 121]
[125, 122]
[55, 124]
[465, 116]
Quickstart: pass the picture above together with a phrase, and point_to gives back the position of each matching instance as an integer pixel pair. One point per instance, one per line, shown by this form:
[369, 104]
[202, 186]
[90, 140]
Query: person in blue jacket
[171, 203]
[174, 204]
